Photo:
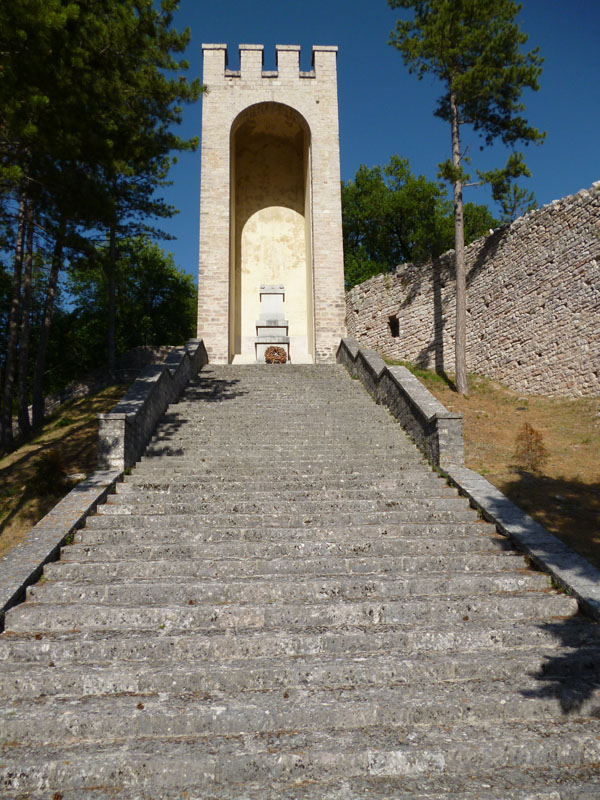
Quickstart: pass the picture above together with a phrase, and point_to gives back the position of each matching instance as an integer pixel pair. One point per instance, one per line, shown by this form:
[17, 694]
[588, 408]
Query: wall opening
[394, 326]
[271, 226]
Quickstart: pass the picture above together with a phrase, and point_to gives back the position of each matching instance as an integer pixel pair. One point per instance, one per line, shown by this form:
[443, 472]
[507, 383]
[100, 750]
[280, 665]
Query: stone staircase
[284, 601]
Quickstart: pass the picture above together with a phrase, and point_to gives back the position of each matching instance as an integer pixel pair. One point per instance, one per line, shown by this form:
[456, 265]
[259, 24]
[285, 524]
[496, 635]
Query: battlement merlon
[324, 63]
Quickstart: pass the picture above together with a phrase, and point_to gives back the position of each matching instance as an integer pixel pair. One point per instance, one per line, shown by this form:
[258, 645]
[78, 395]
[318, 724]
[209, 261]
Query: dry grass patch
[563, 493]
[38, 474]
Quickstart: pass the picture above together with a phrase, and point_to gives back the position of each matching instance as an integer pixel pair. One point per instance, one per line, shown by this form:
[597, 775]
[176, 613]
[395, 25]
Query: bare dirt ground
[564, 493]
[35, 477]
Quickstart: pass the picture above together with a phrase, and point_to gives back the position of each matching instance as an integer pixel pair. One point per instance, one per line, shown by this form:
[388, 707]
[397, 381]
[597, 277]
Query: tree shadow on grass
[568, 508]
[76, 441]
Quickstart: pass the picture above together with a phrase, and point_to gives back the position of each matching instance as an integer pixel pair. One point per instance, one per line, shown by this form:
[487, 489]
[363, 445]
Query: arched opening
[271, 226]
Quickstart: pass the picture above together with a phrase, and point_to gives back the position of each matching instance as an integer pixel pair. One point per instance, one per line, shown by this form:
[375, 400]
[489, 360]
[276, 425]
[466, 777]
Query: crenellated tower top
[252, 62]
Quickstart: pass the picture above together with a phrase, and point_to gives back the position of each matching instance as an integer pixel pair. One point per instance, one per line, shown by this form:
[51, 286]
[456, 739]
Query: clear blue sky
[384, 110]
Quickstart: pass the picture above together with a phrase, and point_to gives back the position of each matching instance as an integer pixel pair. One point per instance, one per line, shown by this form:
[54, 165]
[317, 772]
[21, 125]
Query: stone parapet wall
[533, 303]
[436, 431]
[125, 431]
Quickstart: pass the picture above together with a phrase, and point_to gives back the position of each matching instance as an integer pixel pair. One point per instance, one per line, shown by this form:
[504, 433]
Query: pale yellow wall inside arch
[271, 226]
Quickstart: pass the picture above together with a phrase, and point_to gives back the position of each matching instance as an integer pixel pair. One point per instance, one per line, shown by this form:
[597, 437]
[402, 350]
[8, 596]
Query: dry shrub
[530, 452]
[275, 355]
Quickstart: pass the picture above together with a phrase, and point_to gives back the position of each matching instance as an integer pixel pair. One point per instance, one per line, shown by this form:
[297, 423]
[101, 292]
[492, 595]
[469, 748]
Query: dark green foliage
[156, 305]
[474, 48]
[89, 95]
[391, 216]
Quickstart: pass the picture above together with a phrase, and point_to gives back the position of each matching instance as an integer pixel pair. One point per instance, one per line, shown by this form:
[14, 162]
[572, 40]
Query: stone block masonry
[533, 303]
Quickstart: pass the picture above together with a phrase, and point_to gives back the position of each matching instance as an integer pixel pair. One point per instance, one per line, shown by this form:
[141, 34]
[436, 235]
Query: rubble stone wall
[533, 303]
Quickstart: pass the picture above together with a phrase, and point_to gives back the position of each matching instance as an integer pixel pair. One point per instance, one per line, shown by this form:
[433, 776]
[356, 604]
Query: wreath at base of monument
[275, 355]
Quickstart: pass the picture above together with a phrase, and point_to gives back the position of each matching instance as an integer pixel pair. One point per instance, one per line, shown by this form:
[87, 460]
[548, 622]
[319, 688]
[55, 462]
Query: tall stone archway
[271, 226]
[270, 210]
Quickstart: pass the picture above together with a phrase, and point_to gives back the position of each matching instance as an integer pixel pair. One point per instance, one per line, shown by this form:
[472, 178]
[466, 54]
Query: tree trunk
[22, 393]
[112, 264]
[13, 332]
[459, 249]
[40, 363]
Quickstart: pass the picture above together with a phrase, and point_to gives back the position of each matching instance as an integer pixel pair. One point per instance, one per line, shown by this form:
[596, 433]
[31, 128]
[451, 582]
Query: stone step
[574, 784]
[147, 503]
[190, 591]
[375, 446]
[301, 758]
[319, 520]
[179, 546]
[290, 448]
[267, 569]
[462, 535]
[323, 456]
[282, 674]
[114, 719]
[178, 469]
[162, 646]
[368, 441]
[403, 466]
[183, 491]
[470, 611]
[399, 482]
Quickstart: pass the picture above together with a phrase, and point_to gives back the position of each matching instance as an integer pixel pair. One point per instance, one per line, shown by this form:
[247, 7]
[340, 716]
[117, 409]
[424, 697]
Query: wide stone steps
[272, 507]
[299, 758]
[232, 568]
[243, 493]
[195, 616]
[95, 647]
[355, 486]
[284, 601]
[284, 712]
[278, 590]
[164, 546]
[422, 536]
[297, 520]
[30, 680]
[574, 785]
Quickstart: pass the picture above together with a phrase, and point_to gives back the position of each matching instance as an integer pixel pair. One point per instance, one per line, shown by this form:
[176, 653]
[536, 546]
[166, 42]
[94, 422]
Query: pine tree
[89, 94]
[473, 47]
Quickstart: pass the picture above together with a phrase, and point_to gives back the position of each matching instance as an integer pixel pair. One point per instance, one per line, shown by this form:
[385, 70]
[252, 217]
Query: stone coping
[23, 564]
[126, 429]
[568, 569]
[435, 430]
[416, 408]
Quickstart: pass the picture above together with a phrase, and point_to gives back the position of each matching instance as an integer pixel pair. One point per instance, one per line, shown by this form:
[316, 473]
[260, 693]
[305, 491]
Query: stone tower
[270, 211]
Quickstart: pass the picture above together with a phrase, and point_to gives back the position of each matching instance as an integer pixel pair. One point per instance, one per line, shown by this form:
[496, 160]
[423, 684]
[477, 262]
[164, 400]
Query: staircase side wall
[533, 303]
